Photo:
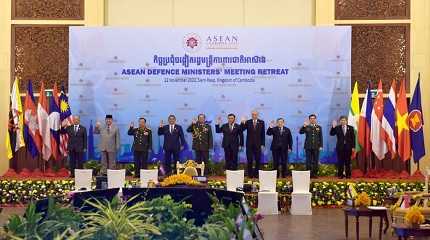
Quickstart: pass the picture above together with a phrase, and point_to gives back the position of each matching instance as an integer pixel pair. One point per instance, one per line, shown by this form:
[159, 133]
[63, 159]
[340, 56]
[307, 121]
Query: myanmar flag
[354, 116]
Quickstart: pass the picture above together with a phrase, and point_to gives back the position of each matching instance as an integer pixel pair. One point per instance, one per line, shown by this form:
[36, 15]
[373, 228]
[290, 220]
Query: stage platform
[326, 191]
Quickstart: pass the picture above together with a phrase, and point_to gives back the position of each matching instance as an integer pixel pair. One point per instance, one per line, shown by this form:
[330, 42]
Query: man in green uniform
[313, 143]
[202, 138]
[142, 145]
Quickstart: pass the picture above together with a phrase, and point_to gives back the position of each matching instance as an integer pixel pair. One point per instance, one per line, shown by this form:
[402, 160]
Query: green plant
[326, 170]
[113, 220]
[19, 227]
[130, 169]
[169, 216]
[94, 165]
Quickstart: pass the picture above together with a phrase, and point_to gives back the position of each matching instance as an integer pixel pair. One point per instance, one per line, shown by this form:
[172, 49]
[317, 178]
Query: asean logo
[415, 120]
[191, 42]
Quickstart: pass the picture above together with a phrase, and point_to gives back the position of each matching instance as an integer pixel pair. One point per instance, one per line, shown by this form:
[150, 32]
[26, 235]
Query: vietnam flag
[403, 137]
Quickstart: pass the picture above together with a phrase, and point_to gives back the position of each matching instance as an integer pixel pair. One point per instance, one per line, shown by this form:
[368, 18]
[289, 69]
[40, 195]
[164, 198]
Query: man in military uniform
[142, 145]
[202, 138]
[313, 143]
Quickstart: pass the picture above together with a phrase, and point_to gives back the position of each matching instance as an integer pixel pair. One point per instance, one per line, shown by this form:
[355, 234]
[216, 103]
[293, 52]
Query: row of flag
[37, 126]
[388, 126]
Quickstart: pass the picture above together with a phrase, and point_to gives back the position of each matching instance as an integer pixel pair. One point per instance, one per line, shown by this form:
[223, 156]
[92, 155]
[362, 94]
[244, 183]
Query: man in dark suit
[282, 144]
[76, 145]
[345, 145]
[202, 138]
[255, 141]
[313, 143]
[142, 145]
[232, 140]
[174, 141]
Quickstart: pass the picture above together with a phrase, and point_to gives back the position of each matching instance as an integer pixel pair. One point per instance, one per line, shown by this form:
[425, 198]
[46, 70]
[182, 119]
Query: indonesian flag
[43, 119]
[403, 137]
[389, 120]
[364, 123]
[377, 133]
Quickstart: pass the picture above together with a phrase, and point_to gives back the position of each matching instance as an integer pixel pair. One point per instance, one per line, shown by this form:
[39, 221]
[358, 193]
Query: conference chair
[147, 175]
[234, 179]
[116, 178]
[267, 195]
[301, 197]
[83, 179]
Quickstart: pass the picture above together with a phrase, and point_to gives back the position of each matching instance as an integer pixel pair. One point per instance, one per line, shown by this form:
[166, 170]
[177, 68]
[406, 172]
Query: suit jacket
[254, 137]
[232, 139]
[344, 141]
[280, 140]
[202, 136]
[142, 139]
[313, 137]
[172, 141]
[109, 138]
[77, 139]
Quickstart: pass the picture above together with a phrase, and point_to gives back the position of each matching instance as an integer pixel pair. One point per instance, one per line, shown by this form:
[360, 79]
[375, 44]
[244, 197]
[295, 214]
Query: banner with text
[153, 72]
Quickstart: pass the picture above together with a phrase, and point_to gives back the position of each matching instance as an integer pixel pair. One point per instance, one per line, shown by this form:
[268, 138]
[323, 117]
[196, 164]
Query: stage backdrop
[154, 72]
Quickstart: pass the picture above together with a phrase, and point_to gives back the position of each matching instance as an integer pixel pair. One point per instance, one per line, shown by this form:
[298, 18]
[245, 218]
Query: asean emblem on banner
[415, 120]
[191, 42]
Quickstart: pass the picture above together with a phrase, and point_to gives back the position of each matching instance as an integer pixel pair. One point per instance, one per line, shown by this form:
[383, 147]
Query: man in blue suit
[174, 141]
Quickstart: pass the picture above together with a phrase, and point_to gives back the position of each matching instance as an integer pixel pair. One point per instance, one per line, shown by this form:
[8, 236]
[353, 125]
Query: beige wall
[209, 12]
[221, 13]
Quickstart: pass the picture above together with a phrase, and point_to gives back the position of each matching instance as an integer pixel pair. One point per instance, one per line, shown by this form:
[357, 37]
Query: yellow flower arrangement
[362, 199]
[179, 179]
[414, 216]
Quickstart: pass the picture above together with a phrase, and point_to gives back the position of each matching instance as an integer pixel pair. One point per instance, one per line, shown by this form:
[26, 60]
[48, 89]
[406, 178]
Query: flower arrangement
[179, 179]
[414, 216]
[362, 200]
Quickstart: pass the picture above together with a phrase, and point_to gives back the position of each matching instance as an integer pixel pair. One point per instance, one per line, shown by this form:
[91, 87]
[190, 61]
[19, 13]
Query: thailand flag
[389, 120]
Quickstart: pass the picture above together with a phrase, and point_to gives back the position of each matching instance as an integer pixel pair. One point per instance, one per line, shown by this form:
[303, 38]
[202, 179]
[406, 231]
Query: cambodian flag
[32, 137]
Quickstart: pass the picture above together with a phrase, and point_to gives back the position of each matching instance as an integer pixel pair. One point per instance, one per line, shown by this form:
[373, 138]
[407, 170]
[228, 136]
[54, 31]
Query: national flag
[377, 133]
[17, 114]
[32, 136]
[416, 123]
[91, 154]
[43, 119]
[403, 137]
[354, 116]
[10, 136]
[54, 123]
[365, 123]
[66, 119]
[389, 120]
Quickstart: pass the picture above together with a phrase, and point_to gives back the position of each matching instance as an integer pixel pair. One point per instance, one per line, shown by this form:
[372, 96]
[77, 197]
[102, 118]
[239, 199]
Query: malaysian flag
[66, 119]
